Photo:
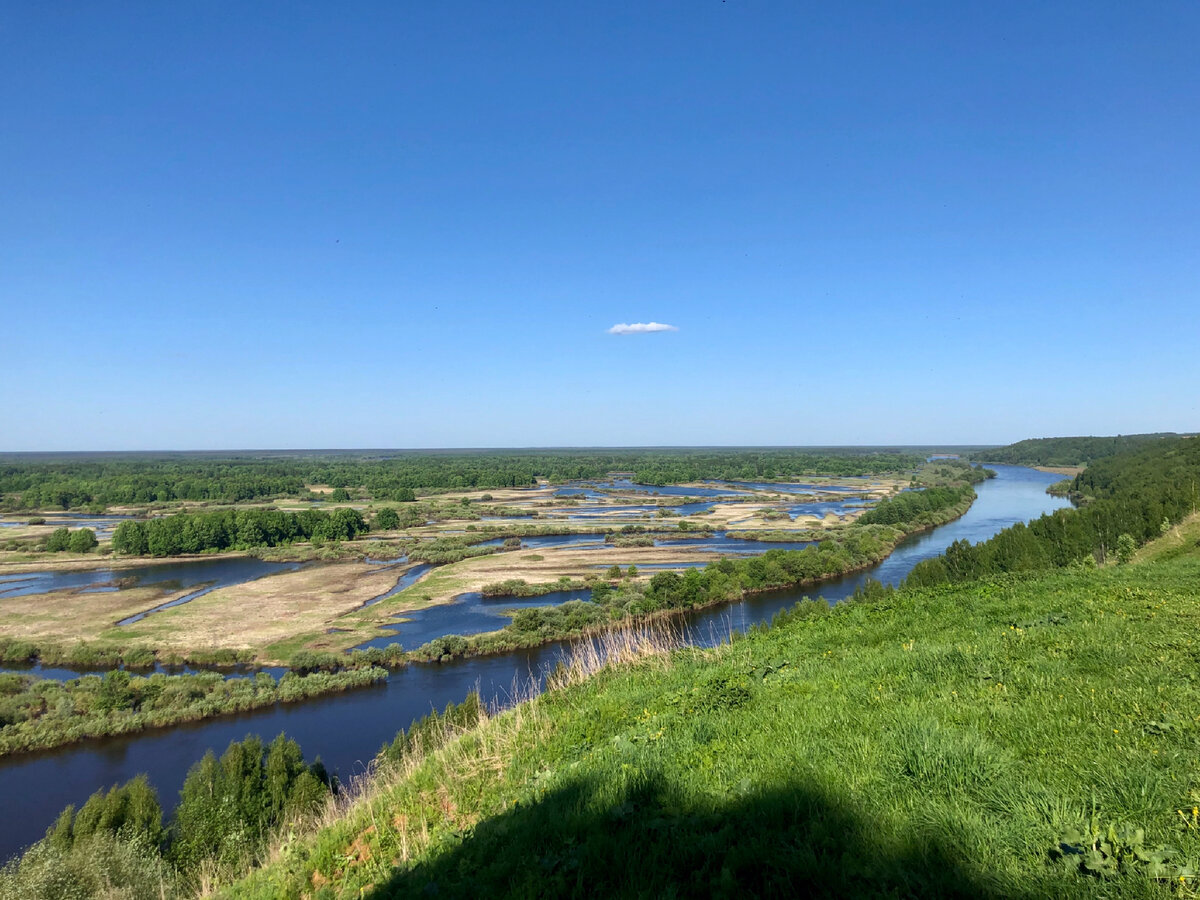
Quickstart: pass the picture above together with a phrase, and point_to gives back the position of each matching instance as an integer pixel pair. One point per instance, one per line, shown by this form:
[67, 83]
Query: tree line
[915, 507]
[1069, 451]
[102, 482]
[1133, 495]
[197, 532]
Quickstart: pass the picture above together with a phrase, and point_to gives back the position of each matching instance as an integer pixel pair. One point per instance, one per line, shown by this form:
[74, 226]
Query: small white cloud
[640, 328]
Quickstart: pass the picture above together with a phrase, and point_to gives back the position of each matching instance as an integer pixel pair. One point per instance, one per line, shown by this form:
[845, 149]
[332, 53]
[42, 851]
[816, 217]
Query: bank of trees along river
[228, 808]
[1069, 451]
[1125, 501]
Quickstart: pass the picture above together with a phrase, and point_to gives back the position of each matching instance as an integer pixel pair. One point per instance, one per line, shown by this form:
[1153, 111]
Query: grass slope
[937, 742]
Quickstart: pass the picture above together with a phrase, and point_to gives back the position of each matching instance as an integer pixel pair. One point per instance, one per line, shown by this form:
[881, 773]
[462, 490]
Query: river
[346, 730]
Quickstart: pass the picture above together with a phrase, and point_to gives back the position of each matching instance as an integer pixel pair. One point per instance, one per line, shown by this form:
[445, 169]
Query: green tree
[59, 540]
[130, 537]
[1126, 548]
[82, 541]
[128, 811]
[387, 519]
[116, 691]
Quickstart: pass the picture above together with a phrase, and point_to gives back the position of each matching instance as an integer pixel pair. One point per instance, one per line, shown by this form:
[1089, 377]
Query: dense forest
[1068, 451]
[98, 483]
[1126, 500]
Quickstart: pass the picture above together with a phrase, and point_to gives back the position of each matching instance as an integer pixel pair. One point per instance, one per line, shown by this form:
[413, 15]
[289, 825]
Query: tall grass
[633, 642]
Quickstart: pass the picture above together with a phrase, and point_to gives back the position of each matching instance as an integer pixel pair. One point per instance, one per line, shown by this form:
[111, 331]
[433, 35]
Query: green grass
[935, 743]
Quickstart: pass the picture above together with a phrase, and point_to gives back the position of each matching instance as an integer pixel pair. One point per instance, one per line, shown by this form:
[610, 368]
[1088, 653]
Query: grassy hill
[994, 738]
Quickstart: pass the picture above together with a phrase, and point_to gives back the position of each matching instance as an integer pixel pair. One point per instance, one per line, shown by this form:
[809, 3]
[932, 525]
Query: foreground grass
[936, 742]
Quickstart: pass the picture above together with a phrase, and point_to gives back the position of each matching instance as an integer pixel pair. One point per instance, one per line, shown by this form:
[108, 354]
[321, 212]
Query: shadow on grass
[591, 840]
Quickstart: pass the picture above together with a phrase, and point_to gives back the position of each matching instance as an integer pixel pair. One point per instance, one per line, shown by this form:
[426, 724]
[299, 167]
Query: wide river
[346, 730]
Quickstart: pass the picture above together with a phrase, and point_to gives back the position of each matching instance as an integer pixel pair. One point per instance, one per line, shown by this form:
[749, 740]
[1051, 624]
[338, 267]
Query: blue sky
[413, 225]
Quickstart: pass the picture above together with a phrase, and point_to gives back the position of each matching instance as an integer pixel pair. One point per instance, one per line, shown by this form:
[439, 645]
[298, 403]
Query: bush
[59, 540]
[103, 865]
[387, 519]
[82, 541]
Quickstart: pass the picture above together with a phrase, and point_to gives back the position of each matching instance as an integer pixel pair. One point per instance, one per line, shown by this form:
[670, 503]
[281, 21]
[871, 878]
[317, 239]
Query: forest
[100, 483]
[1067, 451]
[1126, 500]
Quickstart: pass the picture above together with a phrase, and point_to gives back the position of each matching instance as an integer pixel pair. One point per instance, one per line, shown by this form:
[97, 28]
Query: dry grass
[265, 611]
[1068, 471]
[67, 562]
[647, 639]
[64, 617]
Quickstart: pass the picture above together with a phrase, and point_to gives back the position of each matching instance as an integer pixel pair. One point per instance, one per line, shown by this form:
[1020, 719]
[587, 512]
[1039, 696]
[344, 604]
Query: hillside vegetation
[1068, 451]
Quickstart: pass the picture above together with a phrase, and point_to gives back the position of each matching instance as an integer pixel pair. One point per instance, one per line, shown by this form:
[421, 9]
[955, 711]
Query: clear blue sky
[413, 224]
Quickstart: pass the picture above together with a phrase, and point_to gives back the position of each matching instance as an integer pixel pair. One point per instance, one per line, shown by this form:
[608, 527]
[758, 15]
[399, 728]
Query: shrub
[82, 541]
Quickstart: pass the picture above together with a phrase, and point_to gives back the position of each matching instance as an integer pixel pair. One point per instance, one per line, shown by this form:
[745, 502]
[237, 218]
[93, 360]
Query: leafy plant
[1119, 849]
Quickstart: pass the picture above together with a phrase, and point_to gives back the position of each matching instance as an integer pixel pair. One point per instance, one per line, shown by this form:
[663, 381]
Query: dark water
[346, 730]
[542, 541]
[720, 542]
[212, 573]
[821, 507]
[588, 489]
[469, 613]
[407, 580]
[580, 493]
